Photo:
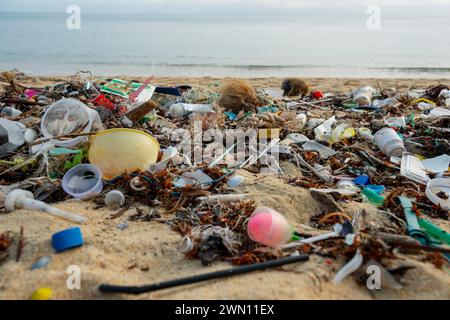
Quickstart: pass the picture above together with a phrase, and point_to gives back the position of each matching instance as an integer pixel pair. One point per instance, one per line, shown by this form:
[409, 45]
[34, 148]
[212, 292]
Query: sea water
[305, 43]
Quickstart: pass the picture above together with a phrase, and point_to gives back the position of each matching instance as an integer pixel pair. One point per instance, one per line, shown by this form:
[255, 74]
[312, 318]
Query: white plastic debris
[346, 192]
[169, 154]
[67, 116]
[437, 164]
[389, 142]
[22, 199]
[180, 110]
[437, 113]
[363, 96]
[438, 191]
[399, 122]
[413, 169]
[222, 198]
[349, 268]
[323, 132]
[337, 228]
[324, 151]
[12, 133]
[235, 181]
[197, 177]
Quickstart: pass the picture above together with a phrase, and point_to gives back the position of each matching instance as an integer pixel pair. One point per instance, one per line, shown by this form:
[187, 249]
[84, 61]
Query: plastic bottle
[180, 110]
[389, 142]
[268, 227]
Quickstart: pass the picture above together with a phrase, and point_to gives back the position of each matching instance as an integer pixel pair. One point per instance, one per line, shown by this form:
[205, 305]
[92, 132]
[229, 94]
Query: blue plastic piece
[379, 189]
[362, 180]
[231, 115]
[41, 263]
[67, 239]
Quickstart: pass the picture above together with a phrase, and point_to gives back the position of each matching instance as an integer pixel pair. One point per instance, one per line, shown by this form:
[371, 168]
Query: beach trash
[268, 227]
[41, 263]
[114, 199]
[324, 151]
[180, 110]
[317, 94]
[42, 294]
[389, 142]
[235, 181]
[67, 239]
[350, 267]
[362, 180]
[117, 151]
[412, 168]
[323, 132]
[22, 199]
[363, 96]
[68, 116]
[11, 136]
[373, 197]
[366, 134]
[346, 184]
[10, 112]
[83, 182]
[438, 192]
[379, 189]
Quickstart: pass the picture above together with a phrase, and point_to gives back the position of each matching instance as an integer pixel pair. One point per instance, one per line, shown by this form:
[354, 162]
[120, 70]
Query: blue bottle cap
[362, 180]
[67, 239]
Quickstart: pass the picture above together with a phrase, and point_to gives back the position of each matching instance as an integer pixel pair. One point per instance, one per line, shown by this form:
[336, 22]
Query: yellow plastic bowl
[121, 150]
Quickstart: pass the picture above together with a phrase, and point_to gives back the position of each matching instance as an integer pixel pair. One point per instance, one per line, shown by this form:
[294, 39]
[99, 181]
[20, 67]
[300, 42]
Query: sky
[98, 6]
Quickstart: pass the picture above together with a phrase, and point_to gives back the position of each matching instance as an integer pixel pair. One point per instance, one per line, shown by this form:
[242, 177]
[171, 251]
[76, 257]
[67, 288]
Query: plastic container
[363, 97]
[180, 110]
[436, 186]
[68, 116]
[83, 182]
[268, 227]
[389, 142]
[116, 151]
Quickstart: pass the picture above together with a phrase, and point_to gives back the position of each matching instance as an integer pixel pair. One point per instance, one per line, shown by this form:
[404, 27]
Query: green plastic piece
[78, 159]
[373, 197]
[434, 231]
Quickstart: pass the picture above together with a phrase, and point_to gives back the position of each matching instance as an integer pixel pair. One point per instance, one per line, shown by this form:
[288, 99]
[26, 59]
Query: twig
[120, 212]
[72, 135]
[20, 245]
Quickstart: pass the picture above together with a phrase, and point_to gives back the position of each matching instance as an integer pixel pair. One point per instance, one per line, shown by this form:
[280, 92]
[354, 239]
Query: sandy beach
[146, 252]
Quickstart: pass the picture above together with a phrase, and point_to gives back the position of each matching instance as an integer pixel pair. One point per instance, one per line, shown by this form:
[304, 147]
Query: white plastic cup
[83, 182]
[434, 187]
[389, 142]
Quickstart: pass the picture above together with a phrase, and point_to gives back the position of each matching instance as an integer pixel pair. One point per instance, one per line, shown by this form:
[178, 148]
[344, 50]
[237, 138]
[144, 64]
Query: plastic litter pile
[110, 141]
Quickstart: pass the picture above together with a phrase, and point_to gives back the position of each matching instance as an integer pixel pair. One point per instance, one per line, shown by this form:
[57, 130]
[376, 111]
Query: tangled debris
[371, 146]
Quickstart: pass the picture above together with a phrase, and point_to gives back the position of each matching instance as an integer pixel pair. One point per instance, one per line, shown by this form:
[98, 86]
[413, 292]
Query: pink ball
[268, 227]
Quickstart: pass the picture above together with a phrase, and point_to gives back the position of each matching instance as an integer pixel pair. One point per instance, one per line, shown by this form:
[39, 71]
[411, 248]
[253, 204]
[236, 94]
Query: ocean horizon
[305, 43]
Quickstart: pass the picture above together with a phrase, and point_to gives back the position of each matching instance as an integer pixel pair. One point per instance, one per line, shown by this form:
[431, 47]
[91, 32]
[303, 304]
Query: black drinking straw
[202, 277]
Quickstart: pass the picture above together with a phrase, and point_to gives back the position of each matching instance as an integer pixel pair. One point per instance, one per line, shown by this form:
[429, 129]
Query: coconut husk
[238, 95]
